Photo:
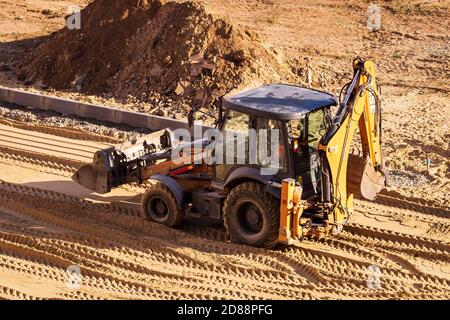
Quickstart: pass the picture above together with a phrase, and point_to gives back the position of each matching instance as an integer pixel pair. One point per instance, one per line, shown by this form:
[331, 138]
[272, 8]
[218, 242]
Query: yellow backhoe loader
[307, 191]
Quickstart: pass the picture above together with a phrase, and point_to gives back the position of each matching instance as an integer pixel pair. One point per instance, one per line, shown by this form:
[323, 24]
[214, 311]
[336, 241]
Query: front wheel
[160, 205]
[252, 216]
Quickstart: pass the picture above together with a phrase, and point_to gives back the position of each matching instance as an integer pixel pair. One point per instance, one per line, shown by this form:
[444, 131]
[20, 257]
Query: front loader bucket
[362, 179]
[92, 178]
[116, 165]
[85, 176]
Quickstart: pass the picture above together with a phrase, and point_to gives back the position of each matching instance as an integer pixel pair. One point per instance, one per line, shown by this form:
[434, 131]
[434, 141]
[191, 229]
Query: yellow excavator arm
[359, 109]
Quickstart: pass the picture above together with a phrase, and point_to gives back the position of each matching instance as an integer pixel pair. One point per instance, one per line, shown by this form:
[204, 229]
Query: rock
[199, 63]
[160, 112]
[168, 60]
[155, 71]
[5, 67]
[50, 13]
[239, 56]
[179, 89]
[21, 76]
[182, 87]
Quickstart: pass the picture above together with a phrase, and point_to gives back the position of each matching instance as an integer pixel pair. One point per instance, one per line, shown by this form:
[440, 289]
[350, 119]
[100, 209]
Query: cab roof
[279, 101]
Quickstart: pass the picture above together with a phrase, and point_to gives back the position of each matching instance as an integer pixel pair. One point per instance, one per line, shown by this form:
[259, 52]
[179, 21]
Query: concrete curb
[89, 111]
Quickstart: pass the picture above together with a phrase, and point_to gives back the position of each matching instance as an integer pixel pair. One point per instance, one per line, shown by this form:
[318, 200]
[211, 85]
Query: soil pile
[153, 52]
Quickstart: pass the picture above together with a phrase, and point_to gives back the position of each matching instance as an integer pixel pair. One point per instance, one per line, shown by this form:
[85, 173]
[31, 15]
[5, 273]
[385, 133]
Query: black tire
[160, 205]
[246, 204]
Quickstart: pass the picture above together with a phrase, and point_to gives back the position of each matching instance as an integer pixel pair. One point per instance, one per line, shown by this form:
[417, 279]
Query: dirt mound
[152, 51]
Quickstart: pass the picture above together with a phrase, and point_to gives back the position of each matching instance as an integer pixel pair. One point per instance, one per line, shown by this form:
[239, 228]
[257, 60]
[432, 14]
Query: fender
[242, 174]
[173, 186]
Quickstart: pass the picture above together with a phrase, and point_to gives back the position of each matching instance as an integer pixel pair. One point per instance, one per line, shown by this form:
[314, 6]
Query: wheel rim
[250, 218]
[157, 208]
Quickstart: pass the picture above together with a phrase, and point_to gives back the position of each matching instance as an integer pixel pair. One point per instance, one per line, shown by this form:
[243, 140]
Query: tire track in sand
[223, 272]
[53, 147]
[284, 282]
[123, 256]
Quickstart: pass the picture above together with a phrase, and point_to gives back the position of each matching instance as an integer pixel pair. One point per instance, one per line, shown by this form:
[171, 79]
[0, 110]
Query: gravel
[50, 118]
[407, 179]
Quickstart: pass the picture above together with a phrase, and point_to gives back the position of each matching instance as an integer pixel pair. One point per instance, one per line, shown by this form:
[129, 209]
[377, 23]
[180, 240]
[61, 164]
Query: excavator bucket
[362, 179]
[372, 182]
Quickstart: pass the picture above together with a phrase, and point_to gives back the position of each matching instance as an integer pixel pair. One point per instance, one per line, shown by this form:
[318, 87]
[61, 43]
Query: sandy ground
[45, 227]
[48, 223]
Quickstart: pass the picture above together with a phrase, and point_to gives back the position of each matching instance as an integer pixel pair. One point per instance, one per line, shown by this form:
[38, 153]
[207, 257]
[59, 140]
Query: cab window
[271, 125]
[316, 128]
[307, 131]
[236, 134]
[237, 122]
[304, 135]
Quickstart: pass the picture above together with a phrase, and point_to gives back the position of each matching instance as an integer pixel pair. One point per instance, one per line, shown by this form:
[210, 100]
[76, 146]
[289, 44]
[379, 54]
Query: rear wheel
[252, 216]
[160, 205]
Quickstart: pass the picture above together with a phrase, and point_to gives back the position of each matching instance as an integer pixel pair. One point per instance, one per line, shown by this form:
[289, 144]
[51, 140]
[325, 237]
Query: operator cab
[301, 115]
